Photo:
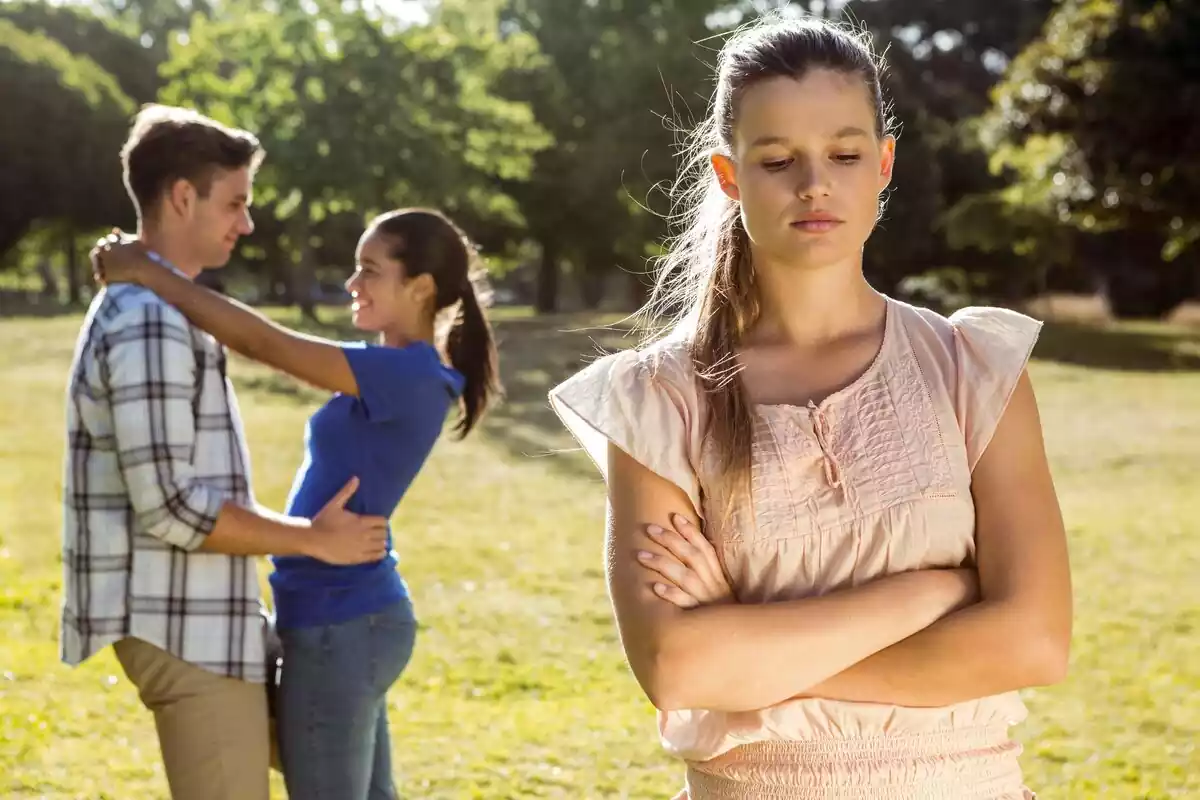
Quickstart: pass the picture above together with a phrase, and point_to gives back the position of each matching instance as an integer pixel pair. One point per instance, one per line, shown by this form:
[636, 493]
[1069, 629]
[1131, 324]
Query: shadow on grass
[1145, 347]
[46, 310]
[536, 354]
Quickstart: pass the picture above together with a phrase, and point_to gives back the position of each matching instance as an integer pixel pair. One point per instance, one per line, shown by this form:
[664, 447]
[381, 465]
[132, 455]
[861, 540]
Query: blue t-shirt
[383, 437]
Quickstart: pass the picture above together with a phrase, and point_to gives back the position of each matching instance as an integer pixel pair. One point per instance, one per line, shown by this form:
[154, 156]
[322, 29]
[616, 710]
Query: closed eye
[777, 165]
[847, 158]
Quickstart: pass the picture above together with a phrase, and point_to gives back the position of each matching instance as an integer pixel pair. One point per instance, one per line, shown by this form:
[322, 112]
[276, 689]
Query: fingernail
[680, 519]
[654, 530]
[660, 588]
[644, 556]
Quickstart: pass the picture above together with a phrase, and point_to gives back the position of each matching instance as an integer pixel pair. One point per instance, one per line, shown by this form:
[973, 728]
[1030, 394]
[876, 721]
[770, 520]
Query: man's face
[217, 222]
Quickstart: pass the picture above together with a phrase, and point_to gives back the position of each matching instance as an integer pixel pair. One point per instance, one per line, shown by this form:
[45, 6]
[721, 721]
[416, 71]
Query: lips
[817, 222]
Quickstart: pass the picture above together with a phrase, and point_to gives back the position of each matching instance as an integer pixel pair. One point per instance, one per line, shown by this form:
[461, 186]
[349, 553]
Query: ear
[182, 197]
[887, 161]
[726, 172]
[423, 288]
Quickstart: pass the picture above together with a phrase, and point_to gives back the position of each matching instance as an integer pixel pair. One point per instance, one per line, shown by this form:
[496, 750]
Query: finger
[675, 595]
[671, 541]
[676, 573]
[662, 565]
[711, 563]
[344, 494]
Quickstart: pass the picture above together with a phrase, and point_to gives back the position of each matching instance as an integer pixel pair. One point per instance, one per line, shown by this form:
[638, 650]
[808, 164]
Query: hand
[338, 536]
[118, 258]
[693, 572]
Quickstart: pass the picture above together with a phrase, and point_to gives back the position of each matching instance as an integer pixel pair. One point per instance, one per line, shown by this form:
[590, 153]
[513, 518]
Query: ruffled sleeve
[992, 347]
[645, 405]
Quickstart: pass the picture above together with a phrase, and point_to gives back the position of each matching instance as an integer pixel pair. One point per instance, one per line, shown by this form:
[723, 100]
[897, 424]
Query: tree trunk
[546, 300]
[303, 268]
[49, 282]
[591, 288]
[73, 277]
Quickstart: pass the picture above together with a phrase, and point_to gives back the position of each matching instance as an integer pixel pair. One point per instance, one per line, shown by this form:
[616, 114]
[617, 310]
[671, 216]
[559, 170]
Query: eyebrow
[848, 132]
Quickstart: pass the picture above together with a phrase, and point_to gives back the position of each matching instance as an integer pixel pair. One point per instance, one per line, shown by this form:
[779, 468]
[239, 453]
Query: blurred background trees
[1045, 146]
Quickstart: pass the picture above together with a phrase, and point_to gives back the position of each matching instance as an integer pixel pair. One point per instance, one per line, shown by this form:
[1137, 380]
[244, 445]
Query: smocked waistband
[976, 764]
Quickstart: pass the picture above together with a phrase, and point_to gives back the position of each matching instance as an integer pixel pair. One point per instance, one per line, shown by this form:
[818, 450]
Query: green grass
[519, 689]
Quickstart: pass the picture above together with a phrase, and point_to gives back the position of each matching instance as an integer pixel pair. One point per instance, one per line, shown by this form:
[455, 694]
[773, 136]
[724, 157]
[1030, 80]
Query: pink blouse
[873, 481]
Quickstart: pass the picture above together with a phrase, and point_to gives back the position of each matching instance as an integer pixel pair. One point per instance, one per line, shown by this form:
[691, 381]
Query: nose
[247, 224]
[351, 282]
[813, 179]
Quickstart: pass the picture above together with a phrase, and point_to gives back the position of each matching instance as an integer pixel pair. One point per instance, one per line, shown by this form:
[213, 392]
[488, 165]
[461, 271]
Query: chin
[362, 322]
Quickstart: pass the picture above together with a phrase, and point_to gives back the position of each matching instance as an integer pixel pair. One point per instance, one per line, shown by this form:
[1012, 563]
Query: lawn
[519, 689]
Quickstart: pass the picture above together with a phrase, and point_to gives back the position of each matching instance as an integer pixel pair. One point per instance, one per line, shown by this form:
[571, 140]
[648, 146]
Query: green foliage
[113, 46]
[620, 84]
[61, 158]
[553, 127]
[355, 117]
[1097, 119]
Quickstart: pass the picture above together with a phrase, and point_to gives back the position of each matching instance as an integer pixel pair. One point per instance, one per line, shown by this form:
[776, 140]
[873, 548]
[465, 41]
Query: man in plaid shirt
[160, 523]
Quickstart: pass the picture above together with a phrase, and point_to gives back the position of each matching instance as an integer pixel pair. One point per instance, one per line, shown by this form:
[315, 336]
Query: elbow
[1049, 661]
[178, 522]
[663, 673]
[170, 530]
[1047, 658]
[660, 679]
[669, 697]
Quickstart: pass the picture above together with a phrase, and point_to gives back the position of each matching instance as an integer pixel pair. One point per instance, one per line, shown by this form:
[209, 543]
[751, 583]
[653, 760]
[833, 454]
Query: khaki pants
[212, 730]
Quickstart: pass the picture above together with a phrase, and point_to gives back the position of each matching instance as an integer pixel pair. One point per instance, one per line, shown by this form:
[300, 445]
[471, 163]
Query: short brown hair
[167, 143]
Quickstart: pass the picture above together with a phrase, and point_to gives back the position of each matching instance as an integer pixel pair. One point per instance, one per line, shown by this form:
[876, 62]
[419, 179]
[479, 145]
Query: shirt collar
[158, 258]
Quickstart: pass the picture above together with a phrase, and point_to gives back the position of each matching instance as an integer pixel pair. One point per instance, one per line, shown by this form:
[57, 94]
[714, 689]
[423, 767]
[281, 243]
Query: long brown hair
[428, 242]
[706, 285]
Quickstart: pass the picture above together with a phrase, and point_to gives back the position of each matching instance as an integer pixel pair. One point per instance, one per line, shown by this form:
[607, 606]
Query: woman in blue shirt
[348, 631]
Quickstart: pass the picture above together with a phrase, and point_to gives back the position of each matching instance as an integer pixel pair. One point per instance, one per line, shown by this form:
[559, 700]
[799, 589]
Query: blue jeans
[332, 726]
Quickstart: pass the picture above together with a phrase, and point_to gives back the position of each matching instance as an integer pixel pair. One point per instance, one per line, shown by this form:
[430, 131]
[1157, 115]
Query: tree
[110, 42]
[1098, 121]
[356, 117]
[65, 119]
[943, 60]
[619, 79]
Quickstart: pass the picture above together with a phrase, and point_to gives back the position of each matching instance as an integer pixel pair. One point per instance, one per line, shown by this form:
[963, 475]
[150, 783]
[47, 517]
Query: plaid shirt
[155, 448]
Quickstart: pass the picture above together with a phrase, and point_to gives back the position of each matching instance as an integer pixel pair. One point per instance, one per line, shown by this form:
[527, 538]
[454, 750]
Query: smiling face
[807, 167]
[383, 298]
[217, 221]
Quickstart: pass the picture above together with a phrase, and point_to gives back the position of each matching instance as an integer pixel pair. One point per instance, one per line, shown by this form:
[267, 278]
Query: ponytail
[471, 349]
[729, 305]
[426, 241]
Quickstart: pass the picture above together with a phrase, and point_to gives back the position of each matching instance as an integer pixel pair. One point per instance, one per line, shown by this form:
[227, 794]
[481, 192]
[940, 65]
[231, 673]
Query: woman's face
[383, 297]
[807, 168]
